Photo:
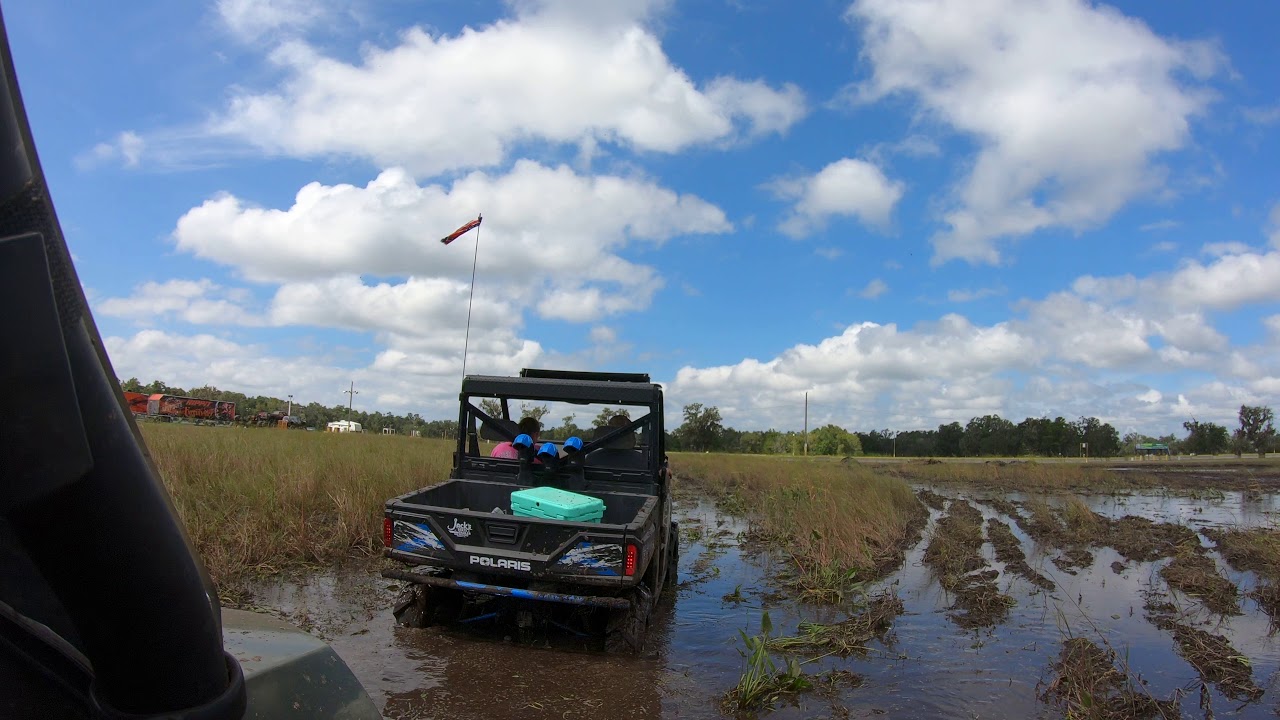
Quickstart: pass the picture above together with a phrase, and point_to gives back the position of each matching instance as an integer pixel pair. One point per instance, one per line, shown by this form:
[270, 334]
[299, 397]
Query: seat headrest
[626, 441]
[489, 432]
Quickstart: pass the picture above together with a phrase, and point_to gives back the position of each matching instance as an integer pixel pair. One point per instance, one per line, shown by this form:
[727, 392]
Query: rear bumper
[616, 603]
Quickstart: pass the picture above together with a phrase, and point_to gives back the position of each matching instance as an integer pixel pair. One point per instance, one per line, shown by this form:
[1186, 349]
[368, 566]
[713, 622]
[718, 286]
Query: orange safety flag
[461, 231]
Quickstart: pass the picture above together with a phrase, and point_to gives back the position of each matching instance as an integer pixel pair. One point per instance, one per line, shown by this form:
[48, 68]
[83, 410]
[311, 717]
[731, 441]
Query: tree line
[989, 435]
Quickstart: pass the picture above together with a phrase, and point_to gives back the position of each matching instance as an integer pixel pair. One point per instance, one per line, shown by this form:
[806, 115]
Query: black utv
[463, 539]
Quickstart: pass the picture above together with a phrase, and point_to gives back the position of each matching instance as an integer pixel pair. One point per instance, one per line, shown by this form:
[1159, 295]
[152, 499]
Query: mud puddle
[924, 664]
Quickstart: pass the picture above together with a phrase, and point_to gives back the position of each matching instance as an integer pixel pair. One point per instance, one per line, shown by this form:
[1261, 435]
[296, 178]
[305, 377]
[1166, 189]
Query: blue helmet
[522, 441]
[573, 444]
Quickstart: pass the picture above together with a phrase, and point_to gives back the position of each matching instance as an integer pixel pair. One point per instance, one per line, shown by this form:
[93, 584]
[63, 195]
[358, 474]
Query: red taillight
[629, 568]
[386, 532]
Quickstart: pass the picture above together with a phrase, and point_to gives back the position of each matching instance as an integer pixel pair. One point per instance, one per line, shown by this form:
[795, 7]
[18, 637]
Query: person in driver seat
[528, 426]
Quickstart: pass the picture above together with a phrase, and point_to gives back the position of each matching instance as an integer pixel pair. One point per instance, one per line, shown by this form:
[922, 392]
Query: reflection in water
[927, 667]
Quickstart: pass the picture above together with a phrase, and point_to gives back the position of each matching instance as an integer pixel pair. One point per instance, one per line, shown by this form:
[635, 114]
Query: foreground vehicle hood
[289, 673]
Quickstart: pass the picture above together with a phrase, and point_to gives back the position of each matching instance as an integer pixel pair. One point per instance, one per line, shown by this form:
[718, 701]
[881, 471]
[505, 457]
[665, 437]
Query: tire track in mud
[1009, 551]
[954, 553]
[1182, 565]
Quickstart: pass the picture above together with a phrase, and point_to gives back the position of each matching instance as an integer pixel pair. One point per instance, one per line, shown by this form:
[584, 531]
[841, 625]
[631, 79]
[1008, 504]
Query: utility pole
[895, 444]
[290, 410]
[351, 396]
[806, 423]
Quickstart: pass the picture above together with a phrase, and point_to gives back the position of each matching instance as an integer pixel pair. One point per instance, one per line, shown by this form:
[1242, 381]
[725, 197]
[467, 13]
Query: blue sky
[917, 212]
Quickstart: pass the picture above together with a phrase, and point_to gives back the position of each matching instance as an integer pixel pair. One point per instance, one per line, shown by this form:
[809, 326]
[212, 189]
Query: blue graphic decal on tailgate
[409, 537]
[594, 559]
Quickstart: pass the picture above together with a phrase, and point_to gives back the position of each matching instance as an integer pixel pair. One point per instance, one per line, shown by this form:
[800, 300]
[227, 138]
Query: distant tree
[491, 407]
[1035, 436]
[537, 412]
[917, 443]
[731, 440]
[131, 385]
[877, 442]
[568, 428]
[989, 435]
[833, 440]
[607, 414]
[701, 429]
[948, 440]
[1101, 438]
[1256, 432]
[1205, 438]
[159, 386]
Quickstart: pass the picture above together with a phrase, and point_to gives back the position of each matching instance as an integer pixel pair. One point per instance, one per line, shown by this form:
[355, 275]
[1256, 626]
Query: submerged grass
[1213, 658]
[1256, 550]
[260, 501]
[840, 524]
[1087, 684]
[1009, 551]
[1196, 575]
[847, 637]
[1143, 540]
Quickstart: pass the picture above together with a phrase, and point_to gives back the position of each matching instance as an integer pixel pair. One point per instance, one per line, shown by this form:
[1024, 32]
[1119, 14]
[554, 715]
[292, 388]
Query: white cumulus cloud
[572, 73]
[847, 187]
[201, 302]
[547, 232]
[1070, 103]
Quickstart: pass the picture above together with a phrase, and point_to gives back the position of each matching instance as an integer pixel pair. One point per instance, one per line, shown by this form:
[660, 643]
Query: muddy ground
[1131, 631]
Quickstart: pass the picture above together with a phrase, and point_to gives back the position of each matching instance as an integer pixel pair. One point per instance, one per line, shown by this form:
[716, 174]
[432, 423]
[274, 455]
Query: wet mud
[1134, 628]
[931, 498]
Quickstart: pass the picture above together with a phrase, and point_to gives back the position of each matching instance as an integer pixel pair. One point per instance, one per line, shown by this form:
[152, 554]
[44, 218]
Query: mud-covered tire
[423, 606]
[627, 630]
[673, 558]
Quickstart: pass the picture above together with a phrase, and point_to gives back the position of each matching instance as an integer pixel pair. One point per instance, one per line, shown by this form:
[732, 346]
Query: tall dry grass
[258, 501]
[838, 522]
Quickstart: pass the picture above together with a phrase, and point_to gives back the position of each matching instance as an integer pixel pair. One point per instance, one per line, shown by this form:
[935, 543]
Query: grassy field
[841, 523]
[1021, 475]
[258, 501]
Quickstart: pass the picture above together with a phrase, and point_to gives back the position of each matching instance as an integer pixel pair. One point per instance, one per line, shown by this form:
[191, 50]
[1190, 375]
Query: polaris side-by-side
[461, 540]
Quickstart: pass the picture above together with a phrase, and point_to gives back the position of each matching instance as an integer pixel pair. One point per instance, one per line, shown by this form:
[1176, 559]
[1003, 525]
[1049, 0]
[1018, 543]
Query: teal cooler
[551, 503]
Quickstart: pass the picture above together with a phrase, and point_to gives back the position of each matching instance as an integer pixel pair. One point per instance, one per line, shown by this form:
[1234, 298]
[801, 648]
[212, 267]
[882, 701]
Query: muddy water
[927, 666]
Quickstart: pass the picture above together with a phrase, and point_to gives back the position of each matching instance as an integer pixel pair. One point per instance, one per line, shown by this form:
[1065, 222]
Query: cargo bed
[454, 526]
[483, 496]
